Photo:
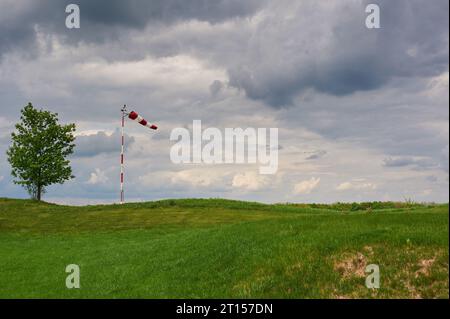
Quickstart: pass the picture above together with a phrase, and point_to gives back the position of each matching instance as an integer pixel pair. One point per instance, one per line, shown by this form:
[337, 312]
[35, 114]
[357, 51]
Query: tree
[39, 150]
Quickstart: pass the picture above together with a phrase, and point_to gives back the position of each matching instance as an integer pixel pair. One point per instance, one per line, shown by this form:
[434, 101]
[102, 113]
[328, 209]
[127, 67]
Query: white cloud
[356, 185]
[186, 180]
[306, 187]
[181, 72]
[250, 181]
[97, 177]
[195, 178]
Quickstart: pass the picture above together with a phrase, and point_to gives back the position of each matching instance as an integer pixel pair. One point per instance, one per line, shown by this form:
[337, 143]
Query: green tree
[39, 150]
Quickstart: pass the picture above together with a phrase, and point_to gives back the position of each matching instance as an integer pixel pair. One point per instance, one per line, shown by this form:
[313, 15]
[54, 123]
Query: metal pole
[122, 196]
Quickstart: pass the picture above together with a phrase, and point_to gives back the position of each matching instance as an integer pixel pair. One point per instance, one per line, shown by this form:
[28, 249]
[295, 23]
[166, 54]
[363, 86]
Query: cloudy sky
[362, 113]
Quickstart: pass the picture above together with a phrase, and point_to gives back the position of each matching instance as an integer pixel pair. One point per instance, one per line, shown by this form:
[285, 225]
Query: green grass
[214, 248]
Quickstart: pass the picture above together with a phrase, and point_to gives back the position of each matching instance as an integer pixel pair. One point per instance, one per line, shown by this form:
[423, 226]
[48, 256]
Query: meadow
[215, 248]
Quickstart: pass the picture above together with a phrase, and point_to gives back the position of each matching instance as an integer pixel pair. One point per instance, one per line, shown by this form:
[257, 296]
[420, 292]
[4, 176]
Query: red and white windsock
[136, 117]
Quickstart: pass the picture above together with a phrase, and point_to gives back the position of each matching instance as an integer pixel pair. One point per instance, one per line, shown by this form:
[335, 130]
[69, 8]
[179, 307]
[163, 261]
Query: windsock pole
[122, 195]
[135, 117]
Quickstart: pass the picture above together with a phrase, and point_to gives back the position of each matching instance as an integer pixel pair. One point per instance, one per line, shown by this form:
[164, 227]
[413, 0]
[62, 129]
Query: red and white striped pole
[122, 195]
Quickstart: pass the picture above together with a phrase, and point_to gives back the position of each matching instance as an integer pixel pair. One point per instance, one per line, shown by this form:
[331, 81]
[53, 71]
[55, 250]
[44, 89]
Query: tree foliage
[39, 150]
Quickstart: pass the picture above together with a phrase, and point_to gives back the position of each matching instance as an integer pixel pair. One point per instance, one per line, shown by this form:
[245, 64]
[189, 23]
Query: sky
[362, 114]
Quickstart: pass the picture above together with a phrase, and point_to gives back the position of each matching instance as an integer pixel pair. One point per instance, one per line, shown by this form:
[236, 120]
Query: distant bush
[364, 206]
[219, 203]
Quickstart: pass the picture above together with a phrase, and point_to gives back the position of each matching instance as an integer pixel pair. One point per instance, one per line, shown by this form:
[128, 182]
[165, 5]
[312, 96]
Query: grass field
[223, 249]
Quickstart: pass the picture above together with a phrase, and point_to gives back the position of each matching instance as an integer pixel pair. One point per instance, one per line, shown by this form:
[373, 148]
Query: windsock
[136, 117]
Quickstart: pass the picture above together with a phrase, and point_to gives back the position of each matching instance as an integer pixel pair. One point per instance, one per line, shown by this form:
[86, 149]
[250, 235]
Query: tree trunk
[39, 191]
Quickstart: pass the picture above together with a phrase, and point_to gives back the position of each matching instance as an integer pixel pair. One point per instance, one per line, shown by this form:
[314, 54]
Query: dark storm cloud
[283, 60]
[409, 161]
[103, 20]
[137, 13]
[277, 60]
[100, 143]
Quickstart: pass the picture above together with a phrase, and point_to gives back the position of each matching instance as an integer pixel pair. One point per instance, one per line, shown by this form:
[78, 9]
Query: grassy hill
[199, 248]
